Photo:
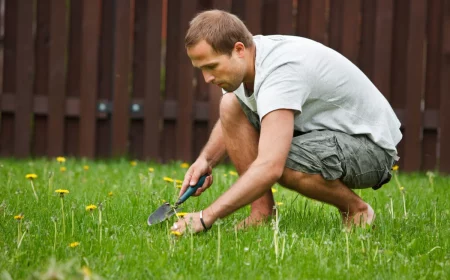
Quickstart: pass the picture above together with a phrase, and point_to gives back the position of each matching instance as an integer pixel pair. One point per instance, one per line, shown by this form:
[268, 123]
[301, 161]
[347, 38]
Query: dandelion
[184, 165]
[61, 159]
[151, 169]
[179, 181]
[91, 207]
[133, 163]
[62, 169]
[179, 186]
[110, 194]
[176, 233]
[280, 203]
[168, 179]
[18, 217]
[233, 173]
[61, 195]
[395, 167]
[181, 214]
[431, 176]
[74, 244]
[31, 177]
[274, 190]
[85, 167]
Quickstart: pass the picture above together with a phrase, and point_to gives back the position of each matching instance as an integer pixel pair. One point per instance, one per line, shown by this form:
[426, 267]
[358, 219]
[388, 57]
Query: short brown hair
[218, 28]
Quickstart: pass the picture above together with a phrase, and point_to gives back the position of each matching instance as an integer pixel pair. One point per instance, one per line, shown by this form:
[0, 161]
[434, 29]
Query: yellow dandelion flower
[61, 191]
[181, 214]
[167, 179]
[18, 217]
[179, 186]
[74, 244]
[184, 165]
[402, 188]
[233, 173]
[395, 167]
[176, 233]
[110, 194]
[86, 167]
[274, 190]
[179, 181]
[91, 207]
[31, 176]
[280, 203]
[163, 200]
[133, 163]
[62, 169]
[61, 159]
[151, 169]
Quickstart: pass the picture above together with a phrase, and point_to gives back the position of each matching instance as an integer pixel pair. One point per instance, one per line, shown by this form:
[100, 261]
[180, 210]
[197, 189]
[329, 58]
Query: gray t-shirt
[325, 89]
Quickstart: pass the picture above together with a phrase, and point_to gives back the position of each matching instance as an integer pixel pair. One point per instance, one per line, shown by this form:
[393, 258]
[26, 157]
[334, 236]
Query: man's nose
[208, 77]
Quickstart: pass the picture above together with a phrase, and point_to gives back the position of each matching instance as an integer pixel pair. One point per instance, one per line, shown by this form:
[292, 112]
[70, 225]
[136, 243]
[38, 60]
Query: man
[294, 112]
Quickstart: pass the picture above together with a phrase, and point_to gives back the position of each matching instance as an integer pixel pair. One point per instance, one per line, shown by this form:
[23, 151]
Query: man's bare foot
[253, 221]
[360, 219]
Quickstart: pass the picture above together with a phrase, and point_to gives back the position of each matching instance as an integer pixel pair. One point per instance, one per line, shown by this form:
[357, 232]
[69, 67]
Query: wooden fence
[93, 78]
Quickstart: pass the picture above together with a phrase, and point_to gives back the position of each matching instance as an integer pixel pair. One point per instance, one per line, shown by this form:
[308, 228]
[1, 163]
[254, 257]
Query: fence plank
[351, 29]
[24, 79]
[335, 31]
[185, 91]
[171, 82]
[318, 21]
[415, 84]
[90, 26]
[302, 20]
[121, 101]
[383, 47]
[56, 78]
[444, 117]
[367, 38]
[252, 17]
[432, 87]
[148, 82]
[103, 139]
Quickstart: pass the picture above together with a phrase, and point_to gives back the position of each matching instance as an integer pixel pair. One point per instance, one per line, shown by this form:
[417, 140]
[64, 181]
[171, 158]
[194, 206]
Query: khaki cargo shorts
[354, 159]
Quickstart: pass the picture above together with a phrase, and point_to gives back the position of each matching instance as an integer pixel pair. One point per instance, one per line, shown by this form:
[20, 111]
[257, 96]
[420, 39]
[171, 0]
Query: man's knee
[292, 178]
[229, 107]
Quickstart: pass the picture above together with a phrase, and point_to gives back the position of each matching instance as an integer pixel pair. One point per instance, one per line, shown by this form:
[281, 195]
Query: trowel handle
[191, 190]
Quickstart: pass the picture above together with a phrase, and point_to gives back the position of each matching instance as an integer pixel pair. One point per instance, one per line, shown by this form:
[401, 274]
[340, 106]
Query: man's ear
[239, 48]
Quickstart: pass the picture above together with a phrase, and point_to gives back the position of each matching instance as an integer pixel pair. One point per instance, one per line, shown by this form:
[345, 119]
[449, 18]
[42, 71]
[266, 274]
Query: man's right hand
[197, 169]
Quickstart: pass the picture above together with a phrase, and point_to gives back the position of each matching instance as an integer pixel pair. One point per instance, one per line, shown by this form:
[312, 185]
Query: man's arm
[211, 155]
[274, 144]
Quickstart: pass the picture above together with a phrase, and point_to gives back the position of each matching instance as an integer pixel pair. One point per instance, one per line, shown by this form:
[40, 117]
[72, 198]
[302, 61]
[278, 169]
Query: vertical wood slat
[302, 20]
[167, 143]
[284, 16]
[444, 116]
[185, 90]
[318, 21]
[24, 60]
[432, 87]
[121, 96]
[335, 26]
[351, 29]
[415, 84]
[90, 26]
[383, 46]
[41, 77]
[367, 38]
[252, 18]
[152, 103]
[2, 34]
[56, 78]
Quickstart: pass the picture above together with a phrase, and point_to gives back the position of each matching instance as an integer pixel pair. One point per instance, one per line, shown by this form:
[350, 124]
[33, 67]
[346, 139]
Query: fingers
[208, 182]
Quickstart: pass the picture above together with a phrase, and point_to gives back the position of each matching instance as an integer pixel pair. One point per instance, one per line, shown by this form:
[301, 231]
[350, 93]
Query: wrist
[208, 217]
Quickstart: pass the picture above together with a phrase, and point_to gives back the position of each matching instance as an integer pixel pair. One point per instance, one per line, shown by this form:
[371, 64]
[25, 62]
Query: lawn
[48, 235]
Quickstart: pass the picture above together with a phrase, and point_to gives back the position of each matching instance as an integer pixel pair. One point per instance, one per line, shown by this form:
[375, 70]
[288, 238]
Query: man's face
[221, 69]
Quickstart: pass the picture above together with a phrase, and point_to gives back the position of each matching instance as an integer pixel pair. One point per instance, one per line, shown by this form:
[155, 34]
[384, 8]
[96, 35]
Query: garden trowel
[166, 210]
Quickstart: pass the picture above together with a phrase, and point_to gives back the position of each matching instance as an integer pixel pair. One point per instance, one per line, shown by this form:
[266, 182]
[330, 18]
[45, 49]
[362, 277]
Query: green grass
[309, 238]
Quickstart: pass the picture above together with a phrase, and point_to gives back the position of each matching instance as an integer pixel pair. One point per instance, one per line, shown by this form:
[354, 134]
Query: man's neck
[249, 79]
